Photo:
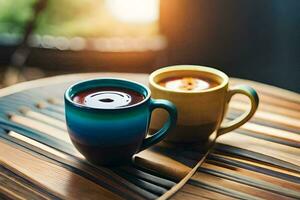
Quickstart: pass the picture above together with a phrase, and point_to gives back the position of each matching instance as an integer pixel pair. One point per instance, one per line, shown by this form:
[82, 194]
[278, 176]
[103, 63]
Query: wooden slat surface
[260, 160]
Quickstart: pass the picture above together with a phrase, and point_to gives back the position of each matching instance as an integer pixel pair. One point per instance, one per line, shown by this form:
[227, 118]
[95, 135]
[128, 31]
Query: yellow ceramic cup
[200, 113]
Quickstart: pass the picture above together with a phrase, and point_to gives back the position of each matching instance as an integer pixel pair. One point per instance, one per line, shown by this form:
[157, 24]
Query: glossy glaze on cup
[200, 113]
[111, 136]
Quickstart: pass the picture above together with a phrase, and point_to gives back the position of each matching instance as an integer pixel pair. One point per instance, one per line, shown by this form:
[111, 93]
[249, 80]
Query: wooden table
[260, 160]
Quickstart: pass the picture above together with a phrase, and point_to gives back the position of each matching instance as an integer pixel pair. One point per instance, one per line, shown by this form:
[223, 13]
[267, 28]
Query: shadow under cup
[200, 113]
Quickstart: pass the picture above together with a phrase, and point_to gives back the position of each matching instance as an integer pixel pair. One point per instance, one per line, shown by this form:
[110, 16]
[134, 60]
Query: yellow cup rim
[219, 73]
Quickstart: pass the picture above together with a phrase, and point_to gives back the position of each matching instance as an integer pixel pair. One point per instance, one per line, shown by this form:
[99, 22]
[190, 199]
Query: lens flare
[134, 11]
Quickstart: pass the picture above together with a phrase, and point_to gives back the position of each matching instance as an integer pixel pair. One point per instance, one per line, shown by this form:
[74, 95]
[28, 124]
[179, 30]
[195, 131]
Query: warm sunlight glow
[134, 11]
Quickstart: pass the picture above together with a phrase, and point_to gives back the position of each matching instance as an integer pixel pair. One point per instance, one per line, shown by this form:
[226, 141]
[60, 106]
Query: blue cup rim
[68, 93]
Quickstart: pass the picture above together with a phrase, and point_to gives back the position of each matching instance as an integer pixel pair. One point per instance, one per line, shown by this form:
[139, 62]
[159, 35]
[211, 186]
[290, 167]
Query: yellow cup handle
[252, 95]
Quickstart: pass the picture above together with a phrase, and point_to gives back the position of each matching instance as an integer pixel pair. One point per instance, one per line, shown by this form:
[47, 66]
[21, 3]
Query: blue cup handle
[171, 122]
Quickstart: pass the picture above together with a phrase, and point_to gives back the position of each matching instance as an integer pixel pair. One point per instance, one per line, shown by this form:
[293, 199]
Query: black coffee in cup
[108, 119]
[108, 97]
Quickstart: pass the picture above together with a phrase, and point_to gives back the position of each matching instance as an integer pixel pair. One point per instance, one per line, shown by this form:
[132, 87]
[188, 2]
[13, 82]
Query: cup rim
[217, 72]
[69, 100]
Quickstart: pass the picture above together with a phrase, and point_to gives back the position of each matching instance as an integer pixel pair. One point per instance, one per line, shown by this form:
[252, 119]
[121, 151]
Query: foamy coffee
[201, 95]
[188, 83]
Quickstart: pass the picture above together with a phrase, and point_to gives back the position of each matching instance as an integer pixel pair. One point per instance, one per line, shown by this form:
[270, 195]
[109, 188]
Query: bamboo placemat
[261, 160]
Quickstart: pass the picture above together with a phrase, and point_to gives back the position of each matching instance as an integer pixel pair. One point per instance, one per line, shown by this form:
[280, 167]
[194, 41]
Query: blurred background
[252, 39]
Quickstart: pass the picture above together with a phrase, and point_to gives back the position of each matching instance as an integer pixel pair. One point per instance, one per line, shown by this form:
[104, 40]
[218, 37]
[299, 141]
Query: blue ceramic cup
[111, 136]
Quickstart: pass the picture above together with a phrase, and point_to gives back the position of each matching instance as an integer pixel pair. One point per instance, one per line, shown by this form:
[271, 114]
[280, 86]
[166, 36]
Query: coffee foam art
[108, 97]
[187, 84]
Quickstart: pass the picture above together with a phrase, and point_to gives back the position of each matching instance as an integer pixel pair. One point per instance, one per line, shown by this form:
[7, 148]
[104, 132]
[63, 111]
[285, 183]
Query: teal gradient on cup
[111, 136]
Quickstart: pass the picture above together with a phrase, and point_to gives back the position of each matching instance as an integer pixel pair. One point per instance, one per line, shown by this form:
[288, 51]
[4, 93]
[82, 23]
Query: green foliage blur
[87, 18]
[14, 14]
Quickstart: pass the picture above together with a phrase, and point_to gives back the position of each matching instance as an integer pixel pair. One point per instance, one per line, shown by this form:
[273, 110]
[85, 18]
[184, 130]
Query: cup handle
[235, 123]
[171, 122]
